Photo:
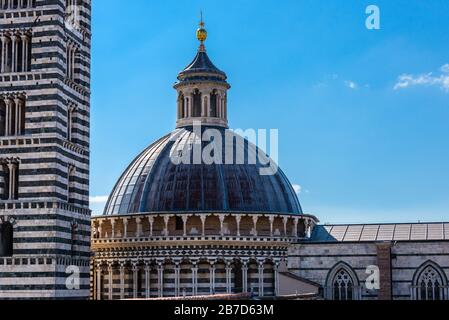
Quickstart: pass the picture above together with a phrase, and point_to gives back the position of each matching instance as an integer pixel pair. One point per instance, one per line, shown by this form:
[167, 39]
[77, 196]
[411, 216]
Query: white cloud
[297, 188]
[98, 199]
[351, 84]
[445, 68]
[428, 79]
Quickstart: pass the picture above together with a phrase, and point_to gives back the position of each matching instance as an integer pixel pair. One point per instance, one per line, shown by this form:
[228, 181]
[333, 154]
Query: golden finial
[201, 33]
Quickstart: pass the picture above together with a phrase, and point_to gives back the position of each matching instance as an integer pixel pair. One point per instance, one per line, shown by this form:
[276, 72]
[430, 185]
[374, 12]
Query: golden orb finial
[201, 33]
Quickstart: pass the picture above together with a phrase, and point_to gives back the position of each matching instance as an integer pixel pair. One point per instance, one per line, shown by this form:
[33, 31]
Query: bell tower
[44, 149]
[202, 90]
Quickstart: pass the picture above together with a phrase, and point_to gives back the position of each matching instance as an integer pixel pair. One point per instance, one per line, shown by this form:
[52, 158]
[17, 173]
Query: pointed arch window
[343, 286]
[430, 283]
[342, 283]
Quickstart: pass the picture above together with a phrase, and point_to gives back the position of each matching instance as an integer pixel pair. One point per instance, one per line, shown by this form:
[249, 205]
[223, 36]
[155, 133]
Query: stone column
[255, 219]
[228, 277]
[13, 53]
[160, 274]
[308, 228]
[271, 218]
[166, 220]
[186, 106]
[295, 228]
[139, 227]
[11, 169]
[3, 57]
[100, 228]
[112, 228]
[184, 223]
[125, 227]
[212, 277]
[177, 278]
[285, 220]
[245, 276]
[151, 221]
[147, 279]
[98, 286]
[203, 225]
[222, 218]
[110, 285]
[26, 66]
[276, 278]
[194, 278]
[18, 105]
[8, 117]
[238, 218]
[122, 280]
[261, 272]
[135, 279]
[203, 105]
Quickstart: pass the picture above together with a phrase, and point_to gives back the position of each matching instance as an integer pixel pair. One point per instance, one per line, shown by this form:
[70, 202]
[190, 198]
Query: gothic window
[9, 179]
[343, 286]
[213, 104]
[342, 283]
[197, 103]
[6, 239]
[430, 283]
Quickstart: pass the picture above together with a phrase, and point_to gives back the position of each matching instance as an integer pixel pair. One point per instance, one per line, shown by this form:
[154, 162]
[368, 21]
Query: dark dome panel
[153, 183]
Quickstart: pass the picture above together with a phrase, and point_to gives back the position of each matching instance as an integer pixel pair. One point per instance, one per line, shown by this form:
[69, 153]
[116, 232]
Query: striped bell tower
[44, 149]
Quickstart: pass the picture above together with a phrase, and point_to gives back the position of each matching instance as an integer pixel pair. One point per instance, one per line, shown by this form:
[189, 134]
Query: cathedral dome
[155, 183]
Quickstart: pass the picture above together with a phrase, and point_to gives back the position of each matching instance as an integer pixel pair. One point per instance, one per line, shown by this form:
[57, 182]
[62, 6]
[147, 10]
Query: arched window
[196, 103]
[181, 106]
[342, 283]
[343, 286]
[213, 104]
[430, 283]
[6, 239]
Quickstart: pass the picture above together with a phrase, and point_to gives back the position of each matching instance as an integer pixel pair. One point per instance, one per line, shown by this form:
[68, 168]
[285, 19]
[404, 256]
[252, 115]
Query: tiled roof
[381, 232]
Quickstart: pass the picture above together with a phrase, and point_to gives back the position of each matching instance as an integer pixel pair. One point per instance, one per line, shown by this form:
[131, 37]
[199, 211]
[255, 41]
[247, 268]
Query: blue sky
[362, 114]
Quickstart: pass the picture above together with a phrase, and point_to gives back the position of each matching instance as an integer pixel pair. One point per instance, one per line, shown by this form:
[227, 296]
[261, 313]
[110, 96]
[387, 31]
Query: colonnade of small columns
[202, 103]
[189, 225]
[12, 114]
[10, 179]
[15, 51]
[143, 288]
[17, 4]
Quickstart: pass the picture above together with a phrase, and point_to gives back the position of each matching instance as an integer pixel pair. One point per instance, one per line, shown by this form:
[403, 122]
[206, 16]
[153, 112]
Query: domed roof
[155, 183]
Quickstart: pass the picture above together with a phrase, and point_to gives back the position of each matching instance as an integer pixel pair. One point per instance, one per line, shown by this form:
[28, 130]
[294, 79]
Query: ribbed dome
[153, 183]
